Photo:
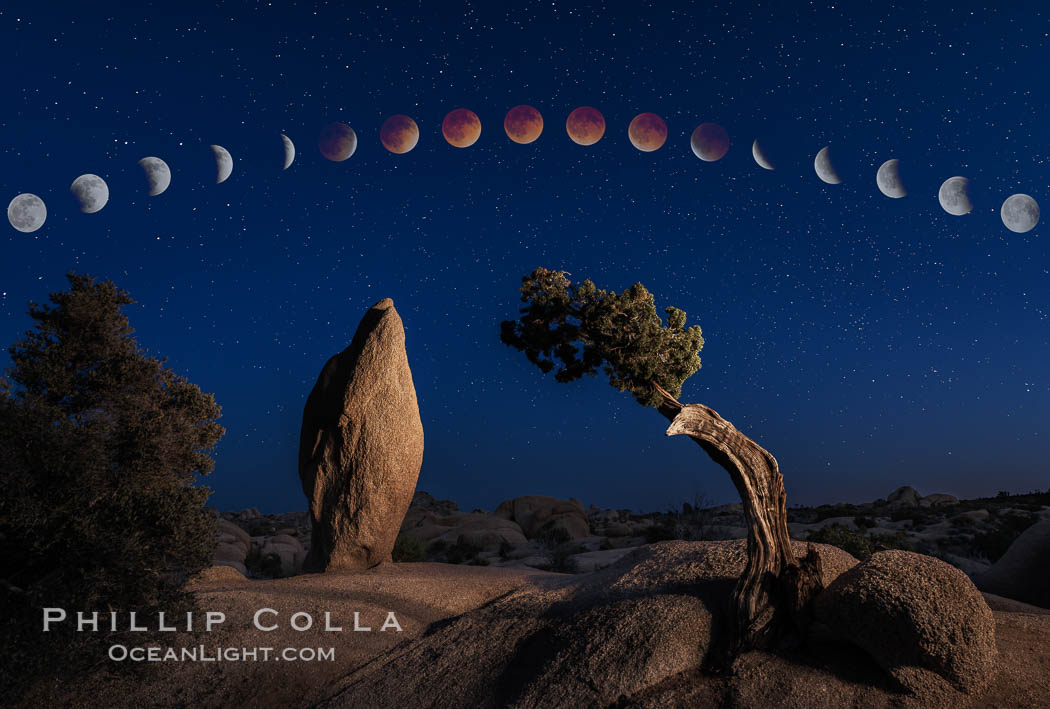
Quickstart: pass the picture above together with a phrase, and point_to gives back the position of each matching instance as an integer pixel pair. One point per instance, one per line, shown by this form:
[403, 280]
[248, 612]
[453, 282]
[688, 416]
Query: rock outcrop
[904, 496]
[1023, 572]
[921, 619]
[361, 446]
[537, 514]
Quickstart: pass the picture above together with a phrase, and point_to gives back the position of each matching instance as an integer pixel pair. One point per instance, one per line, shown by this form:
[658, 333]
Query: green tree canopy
[578, 329]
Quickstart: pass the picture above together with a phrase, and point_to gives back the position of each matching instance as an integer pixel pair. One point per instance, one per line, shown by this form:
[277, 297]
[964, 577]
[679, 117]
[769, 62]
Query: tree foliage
[577, 329]
[100, 449]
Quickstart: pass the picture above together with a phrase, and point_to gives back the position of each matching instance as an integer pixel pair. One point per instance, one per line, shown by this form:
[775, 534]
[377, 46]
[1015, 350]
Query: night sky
[866, 342]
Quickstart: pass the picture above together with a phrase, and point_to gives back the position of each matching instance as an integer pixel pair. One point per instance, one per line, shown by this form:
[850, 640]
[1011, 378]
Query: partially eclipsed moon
[157, 173]
[1020, 213]
[289, 151]
[399, 134]
[760, 156]
[461, 128]
[26, 212]
[824, 167]
[337, 142]
[523, 124]
[91, 193]
[888, 178]
[647, 132]
[223, 163]
[585, 125]
[710, 142]
[954, 196]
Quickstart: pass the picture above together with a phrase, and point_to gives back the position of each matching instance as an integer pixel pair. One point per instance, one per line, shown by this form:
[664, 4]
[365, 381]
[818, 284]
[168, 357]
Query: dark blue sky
[866, 342]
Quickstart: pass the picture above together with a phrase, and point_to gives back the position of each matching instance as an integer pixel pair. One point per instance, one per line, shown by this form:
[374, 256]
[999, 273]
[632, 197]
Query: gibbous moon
[888, 178]
[337, 142]
[26, 213]
[523, 124]
[461, 128]
[399, 134]
[289, 151]
[710, 142]
[760, 156]
[585, 125]
[1020, 213]
[157, 173]
[223, 163]
[825, 169]
[91, 192]
[954, 196]
[647, 132]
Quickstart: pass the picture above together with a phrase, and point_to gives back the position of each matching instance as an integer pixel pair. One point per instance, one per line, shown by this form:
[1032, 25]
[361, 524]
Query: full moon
[26, 213]
[760, 156]
[157, 173]
[461, 128]
[91, 193]
[337, 142]
[824, 167]
[223, 163]
[585, 125]
[888, 178]
[1020, 213]
[399, 134]
[954, 196]
[523, 124]
[647, 132]
[710, 142]
[289, 151]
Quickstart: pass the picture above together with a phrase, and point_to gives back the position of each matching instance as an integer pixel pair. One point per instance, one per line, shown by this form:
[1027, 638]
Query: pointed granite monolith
[361, 446]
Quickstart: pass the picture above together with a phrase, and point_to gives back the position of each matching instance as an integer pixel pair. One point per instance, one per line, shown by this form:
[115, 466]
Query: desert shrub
[661, 532]
[863, 522]
[823, 512]
[841, 536]
[993, 543]
[409, 548]
[101, 446]
[505, 548]
[553, 536]
[258, 527]
[268, 565]
[462, 551]
[897, 540]
[562, 561]
[605, 544]
[962, 521]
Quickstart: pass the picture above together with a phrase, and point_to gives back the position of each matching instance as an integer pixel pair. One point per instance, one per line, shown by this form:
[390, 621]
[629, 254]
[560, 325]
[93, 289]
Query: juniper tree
[578, 329]
[100, 449]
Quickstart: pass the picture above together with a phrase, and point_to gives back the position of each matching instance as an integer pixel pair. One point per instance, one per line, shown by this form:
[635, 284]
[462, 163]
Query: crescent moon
[26, 212]
[289, 151]
[824, 167]
[223, 163]
[760, 156]
[954, 196]
[888, 178]
[91, 193]
[1020, 213]
[157, 173]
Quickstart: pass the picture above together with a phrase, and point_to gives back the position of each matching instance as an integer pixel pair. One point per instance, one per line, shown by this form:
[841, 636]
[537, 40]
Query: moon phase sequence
[1020, 213]
[888, 179]
[158, 175]
[585, 125]
[461, 128]
[337, 142]
[399, 134]
[825, 168]
[27, 213]
[523, 124]
[710, 142]
[91, 193]
[223, 163]
[954, 196]
[647, 132]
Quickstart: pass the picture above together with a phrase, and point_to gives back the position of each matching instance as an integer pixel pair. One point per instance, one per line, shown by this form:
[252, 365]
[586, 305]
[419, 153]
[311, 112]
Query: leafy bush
[462, 551]
[553, 536]
[100, 449]
[841, 536]
[409, 548]
[268, 565]
[994, 543]
[864, 522]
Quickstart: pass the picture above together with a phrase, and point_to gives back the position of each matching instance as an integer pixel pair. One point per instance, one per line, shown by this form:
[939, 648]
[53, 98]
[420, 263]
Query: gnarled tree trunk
[771, 599]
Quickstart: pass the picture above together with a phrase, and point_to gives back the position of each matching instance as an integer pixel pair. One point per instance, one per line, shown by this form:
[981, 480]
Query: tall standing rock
[361, 446]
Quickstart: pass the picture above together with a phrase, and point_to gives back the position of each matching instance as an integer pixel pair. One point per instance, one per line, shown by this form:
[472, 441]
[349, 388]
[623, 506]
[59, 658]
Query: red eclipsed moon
[585, 125]
[647, 132]
[399, 134]
[710, 142]
[523, 124]
[461, 128]
[338, 141]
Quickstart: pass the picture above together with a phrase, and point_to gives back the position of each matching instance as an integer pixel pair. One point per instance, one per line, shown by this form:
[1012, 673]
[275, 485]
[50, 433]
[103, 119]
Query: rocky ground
[547, 534]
